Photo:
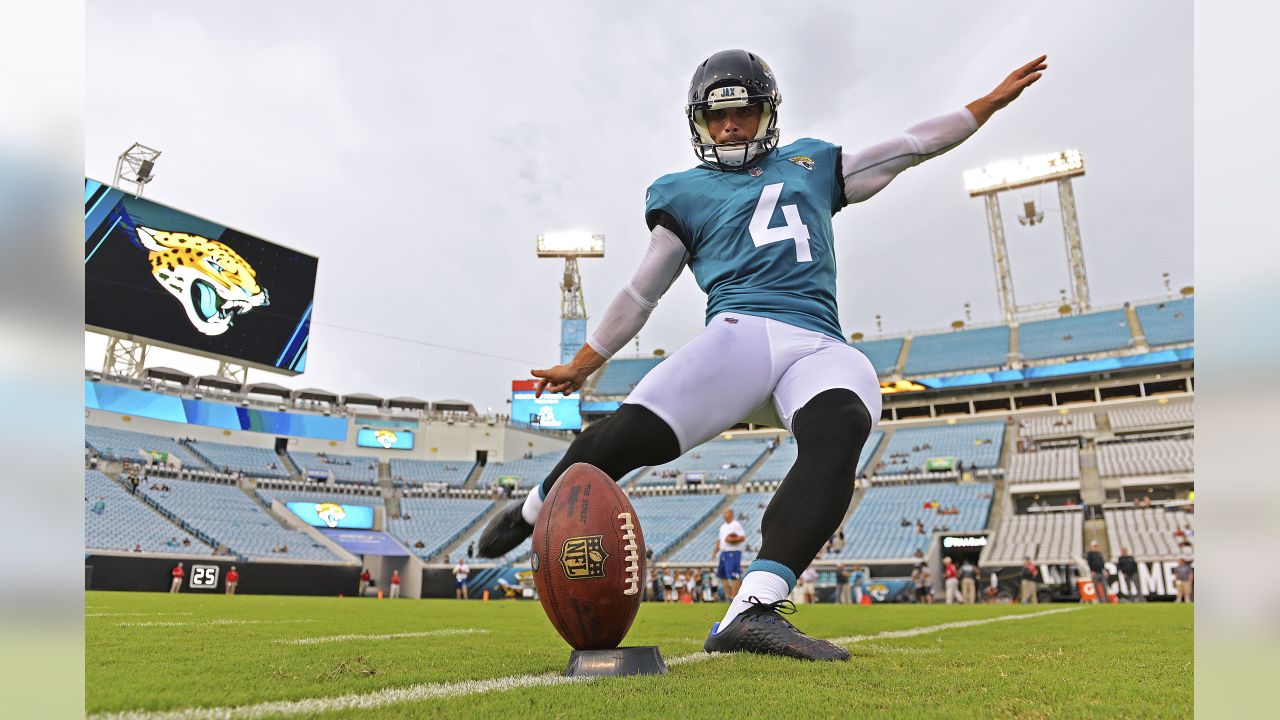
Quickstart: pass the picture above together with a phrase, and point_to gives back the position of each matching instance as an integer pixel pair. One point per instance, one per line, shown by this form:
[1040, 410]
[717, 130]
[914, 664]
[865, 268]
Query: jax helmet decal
[729, 79]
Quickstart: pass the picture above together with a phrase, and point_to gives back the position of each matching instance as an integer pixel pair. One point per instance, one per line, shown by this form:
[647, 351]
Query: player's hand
[1008, 90]
[1018, 80]
[563, 379]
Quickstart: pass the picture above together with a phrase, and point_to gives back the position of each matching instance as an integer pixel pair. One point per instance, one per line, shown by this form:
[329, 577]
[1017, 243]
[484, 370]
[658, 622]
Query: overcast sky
[419, 149]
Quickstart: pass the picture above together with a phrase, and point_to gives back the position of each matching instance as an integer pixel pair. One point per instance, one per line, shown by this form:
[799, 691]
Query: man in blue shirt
[753, 222]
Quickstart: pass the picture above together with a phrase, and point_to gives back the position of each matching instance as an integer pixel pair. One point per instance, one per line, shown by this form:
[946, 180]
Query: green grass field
[158, 655]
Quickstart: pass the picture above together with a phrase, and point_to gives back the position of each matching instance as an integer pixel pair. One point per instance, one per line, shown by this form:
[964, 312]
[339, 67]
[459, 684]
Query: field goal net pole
[124, 358]
[1003, 176]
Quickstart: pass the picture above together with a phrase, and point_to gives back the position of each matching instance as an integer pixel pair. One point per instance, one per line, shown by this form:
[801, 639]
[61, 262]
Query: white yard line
[392, 636]
[162, 623]
[429, 691]
[133, 614]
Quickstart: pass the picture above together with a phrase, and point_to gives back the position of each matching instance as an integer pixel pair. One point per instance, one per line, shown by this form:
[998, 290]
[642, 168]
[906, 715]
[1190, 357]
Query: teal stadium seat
[971, 443]
[883, 354]
[962, 350]
[1074, 335]
[128, 522]
[1168, 323]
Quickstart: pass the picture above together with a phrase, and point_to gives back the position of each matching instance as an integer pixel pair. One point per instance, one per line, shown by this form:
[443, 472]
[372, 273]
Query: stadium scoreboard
[552, 411]
[163, 276]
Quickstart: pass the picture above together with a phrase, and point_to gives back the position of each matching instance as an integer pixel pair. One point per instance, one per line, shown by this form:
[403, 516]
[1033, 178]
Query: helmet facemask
[732, 155]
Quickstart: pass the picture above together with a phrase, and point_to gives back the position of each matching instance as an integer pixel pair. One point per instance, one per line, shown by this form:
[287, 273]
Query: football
[588, 559]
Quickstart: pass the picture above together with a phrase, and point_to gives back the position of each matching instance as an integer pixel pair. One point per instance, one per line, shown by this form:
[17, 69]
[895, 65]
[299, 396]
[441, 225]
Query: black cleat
[762, 629]
[504, 532]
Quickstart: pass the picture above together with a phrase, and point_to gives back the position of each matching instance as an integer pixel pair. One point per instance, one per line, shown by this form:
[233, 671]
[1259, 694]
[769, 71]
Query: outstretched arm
[624, 317]
[868, 171]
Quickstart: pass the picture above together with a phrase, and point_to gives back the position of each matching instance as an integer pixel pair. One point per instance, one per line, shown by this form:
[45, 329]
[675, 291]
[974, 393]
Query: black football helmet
[728, 79]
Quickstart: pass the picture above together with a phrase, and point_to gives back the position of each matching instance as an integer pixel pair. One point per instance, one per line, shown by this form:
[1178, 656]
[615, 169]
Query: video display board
[333, 515]
[384, 438]
[551, 411]
[166, 277]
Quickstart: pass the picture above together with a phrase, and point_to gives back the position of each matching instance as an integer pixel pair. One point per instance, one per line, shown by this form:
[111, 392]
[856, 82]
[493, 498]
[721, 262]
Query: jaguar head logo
[385, 438]
[330, 513]
[211, 281]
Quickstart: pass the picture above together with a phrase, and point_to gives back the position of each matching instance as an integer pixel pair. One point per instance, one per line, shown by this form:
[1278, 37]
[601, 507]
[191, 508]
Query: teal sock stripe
[776, 568]
[542, 493]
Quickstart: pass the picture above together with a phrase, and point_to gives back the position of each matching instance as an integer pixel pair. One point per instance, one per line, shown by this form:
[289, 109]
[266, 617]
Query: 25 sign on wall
[204, 577]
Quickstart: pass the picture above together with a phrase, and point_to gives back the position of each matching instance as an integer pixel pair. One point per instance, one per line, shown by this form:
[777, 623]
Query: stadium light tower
[136, 166]
[988, 182]
[573, 308]
[126, 357]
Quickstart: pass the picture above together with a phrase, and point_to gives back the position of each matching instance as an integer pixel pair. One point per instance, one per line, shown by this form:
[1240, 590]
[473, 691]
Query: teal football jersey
[760, 240]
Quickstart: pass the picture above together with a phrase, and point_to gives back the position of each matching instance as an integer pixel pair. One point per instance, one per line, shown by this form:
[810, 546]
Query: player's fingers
[1033, 63]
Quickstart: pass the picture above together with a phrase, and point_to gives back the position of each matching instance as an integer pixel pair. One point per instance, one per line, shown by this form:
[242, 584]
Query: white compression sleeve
[868, 171]
[630, 308]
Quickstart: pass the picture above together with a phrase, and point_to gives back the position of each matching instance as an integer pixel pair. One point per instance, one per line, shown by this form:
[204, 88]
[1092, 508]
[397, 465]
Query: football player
[753, 222]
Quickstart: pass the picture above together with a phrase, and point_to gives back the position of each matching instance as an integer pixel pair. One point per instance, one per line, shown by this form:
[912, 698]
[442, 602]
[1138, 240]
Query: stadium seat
[1074, 335]
[435, 522]
[416, 472]
[1168, 323]
[229, 517]
[883, 354]
[1047, 538]
[127, 522]
[875, 532]
[962, 350]
[974, 444]
[621, 375]
[252, 461]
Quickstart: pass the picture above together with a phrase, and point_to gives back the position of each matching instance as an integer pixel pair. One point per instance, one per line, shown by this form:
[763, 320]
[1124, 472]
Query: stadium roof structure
[362, 399]
[218, 382]
[265, 388]
[316, 394]
[167, 373]
[409, 403]
[453, 406]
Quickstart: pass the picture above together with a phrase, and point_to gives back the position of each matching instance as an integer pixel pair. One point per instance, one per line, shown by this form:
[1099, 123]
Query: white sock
[532, 505]
[762, 585]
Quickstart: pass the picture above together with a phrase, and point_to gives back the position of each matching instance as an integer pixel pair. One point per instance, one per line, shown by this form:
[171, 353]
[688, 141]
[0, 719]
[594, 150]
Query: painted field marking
[134, 614]
[391, 636]
[429, 691]
[162, 623]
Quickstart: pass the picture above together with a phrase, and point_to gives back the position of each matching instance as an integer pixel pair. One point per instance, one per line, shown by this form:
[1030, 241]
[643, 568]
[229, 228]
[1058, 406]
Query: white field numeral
[762, 234]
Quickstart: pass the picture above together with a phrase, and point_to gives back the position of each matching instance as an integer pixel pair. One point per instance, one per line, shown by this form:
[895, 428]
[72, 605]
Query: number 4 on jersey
[762, 234]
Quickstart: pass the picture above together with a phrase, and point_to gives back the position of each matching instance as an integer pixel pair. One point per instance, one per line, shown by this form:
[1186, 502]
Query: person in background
[951, 581]
[843, 596]
[460, 574]
[1183, 577]
[969, 582]
[395, 583]
[1097, 571]
[809, 579]
[861, 575]
[365, 577]
[1028, 576]
[1127, 566]
[99, 506]
[233, 580]
[177, 573]
[668, 586]
[655, 586]
[729, 546]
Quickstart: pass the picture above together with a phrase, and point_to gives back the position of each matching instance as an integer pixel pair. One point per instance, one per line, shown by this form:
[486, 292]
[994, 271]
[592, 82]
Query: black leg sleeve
[630, 438]
[830, 431]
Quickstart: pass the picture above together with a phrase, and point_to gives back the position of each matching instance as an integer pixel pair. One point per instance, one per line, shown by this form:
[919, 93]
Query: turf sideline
[428, 691]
